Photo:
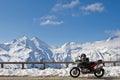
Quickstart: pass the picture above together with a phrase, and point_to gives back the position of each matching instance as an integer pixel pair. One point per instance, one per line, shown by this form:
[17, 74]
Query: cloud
[48, 17]
[95, 7]
[50, 20]
[60, 6]
[71, 9]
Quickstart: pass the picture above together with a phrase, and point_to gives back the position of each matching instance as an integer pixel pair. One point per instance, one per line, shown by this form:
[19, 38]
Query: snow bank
[112, 71]
[109, 72]
[34, 72]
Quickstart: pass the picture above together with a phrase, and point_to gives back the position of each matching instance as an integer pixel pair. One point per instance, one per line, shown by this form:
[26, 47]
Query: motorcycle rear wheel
[75, 72]
[99, 73]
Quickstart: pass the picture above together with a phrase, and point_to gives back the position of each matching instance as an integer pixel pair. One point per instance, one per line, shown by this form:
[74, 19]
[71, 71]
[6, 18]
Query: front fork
[98, 68]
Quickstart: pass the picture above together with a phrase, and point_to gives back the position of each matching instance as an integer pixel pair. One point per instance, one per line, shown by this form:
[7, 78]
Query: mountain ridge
[35, 50]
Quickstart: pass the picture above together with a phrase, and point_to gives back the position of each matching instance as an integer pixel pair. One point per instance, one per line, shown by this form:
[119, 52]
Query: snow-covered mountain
[108, 50]
[35, 50]
[25, 50]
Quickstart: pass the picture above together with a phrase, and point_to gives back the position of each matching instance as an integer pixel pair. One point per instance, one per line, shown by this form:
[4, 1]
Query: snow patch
[109, 72]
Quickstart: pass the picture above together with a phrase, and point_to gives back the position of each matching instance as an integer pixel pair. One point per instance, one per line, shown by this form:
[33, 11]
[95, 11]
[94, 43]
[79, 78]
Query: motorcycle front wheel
[99, 73]
[75, 72]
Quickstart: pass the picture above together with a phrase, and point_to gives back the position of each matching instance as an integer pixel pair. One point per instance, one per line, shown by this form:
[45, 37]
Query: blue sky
[59, 21]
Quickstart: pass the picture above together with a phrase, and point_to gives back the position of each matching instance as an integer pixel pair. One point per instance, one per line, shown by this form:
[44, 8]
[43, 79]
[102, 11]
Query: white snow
[109, 72]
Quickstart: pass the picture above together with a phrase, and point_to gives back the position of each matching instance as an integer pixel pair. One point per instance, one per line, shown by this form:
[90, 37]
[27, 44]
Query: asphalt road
[57, 78]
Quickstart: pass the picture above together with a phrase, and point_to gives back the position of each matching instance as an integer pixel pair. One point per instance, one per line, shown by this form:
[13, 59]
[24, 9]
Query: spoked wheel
[75, 72]
[99, 73]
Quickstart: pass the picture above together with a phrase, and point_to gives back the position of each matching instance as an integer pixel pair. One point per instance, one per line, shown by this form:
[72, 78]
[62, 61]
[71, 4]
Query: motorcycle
[95, 68]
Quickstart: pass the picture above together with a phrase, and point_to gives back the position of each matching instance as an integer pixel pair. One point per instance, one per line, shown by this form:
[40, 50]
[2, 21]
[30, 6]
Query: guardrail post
[44, 65]
[67, 65]
[2, 65]
[22, 65]
[114, 63]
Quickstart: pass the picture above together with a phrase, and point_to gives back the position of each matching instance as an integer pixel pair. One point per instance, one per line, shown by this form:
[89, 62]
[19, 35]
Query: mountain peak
[23, 38]
[112, 38]
[35, 38]
[39, 42]
[69, 43]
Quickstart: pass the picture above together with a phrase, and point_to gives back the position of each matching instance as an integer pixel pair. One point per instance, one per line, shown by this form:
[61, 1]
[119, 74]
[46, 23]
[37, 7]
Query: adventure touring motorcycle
[95, 68]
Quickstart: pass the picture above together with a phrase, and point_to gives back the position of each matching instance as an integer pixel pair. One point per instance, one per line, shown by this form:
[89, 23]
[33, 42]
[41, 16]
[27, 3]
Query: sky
[59, 21]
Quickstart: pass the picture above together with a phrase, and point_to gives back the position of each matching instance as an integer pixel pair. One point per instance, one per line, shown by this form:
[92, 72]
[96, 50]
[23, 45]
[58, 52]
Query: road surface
[56, 78]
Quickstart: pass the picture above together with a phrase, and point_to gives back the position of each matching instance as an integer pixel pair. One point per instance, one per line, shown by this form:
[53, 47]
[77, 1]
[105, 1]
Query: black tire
[75, 72]
[99, 73]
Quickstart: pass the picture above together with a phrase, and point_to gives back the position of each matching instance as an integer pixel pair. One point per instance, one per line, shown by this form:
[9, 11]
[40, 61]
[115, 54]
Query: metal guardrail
[44, 63]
